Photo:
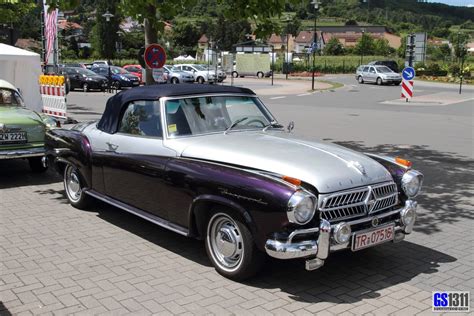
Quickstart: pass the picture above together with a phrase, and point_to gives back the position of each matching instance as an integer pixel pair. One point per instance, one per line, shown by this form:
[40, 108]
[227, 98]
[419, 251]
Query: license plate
[13, 137]
[136, 83]
[372, 237]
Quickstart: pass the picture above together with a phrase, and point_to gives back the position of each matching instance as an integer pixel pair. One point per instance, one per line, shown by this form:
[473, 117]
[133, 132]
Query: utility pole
[315, 41]
[411, 49]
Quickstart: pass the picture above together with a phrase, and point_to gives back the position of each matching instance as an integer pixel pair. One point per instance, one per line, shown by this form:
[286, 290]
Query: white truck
[252, 65]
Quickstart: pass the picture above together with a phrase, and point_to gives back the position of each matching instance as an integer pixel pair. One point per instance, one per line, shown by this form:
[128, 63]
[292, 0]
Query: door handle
[111, 147]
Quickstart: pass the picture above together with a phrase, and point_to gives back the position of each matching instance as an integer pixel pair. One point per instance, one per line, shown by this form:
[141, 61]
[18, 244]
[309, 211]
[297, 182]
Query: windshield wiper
[235, 124]
[273, 124]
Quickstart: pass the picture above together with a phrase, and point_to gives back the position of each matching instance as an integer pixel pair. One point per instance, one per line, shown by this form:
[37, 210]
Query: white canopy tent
[179, 58]
[22, 68]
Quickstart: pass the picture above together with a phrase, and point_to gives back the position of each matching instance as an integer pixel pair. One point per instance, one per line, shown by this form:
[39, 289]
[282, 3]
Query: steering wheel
[256, 121]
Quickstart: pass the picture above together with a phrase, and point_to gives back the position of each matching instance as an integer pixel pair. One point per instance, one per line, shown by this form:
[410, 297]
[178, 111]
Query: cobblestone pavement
[57, 259]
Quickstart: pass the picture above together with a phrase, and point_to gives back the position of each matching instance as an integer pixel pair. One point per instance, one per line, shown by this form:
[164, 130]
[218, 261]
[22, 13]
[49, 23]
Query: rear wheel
[231, 248]
[260, 74]
[36, 165]
[116, 85]
[379, 81]
[235, 74]
[74, 187]
[360, 79]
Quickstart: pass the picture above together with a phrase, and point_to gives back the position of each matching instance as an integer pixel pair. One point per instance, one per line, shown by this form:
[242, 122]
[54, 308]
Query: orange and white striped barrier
[53, 94]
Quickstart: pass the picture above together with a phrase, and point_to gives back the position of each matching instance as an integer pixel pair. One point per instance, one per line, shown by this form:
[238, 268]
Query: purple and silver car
[211, 162]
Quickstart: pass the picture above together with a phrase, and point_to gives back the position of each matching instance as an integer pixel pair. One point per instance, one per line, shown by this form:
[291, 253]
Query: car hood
[327, 167]
[24, 120]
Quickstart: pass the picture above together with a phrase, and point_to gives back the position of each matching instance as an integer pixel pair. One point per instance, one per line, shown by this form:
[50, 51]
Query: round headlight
[342, 233]
[301, 207]
[408, 216]
[411, 183]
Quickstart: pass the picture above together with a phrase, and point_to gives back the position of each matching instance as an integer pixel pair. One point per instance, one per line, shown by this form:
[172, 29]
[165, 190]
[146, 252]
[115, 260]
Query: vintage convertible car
[212, 162]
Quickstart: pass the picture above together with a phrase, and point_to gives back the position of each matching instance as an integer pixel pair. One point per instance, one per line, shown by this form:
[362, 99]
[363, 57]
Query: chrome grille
[358, 202]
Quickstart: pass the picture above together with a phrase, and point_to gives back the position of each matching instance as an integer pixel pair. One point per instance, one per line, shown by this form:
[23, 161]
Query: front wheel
[174, 80]
[85, 87]
[231, 248]
[379, 81]
[74, 187]
[360, 80]
[200, 80]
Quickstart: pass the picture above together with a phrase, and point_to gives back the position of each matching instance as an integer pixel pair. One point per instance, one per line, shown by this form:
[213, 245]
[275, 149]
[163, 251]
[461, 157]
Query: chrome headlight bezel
[297, 201]
[408, 180]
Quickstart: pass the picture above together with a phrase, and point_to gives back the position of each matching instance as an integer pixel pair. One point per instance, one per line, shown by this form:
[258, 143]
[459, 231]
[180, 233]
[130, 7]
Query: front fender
[201, 206]
[70, 147]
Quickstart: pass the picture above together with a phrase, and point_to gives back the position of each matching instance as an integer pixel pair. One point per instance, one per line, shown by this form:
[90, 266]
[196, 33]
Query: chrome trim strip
[147, 216]
[22, 153]
[302, 232]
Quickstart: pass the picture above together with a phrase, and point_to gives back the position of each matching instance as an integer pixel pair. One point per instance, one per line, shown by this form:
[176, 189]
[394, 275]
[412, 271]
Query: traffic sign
[408, 73]
[155, 56]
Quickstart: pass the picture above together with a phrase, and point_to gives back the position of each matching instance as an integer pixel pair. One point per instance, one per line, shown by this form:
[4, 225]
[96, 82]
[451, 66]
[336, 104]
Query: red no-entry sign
[155, 56]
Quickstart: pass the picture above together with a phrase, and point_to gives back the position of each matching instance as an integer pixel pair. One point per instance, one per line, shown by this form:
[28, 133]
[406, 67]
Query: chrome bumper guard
[321, 247]
[22, 153]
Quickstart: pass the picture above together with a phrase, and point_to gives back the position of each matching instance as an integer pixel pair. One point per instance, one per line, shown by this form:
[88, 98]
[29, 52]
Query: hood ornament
[357, 166]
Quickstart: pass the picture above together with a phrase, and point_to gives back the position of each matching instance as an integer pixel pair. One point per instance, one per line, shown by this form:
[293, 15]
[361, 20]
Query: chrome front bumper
[318, 249]
[22, 153]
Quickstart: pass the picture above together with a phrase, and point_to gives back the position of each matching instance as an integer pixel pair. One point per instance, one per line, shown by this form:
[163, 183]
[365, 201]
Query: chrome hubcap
[73, 184]
[225, 241]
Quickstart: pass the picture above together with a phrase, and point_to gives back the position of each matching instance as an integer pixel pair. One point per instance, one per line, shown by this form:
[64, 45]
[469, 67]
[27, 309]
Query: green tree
[382, 48]
[459, 41]
[293, 26]
[334, 47]
[106, 31]
[227, 32]
[365, 45]
[185, 36]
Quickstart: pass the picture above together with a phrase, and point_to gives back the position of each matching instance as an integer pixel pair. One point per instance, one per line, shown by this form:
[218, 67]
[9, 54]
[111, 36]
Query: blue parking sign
[408, 73]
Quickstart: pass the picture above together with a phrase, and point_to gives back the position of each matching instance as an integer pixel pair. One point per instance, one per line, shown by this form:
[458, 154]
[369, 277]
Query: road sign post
[408, 74]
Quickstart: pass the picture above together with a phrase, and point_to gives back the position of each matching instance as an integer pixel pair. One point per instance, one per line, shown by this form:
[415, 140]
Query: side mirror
[290, 126]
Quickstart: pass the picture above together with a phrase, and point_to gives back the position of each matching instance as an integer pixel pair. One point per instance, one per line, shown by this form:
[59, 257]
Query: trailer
[252, 65]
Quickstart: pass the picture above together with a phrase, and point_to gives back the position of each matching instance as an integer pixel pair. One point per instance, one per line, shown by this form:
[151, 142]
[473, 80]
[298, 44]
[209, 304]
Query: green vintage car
[22, 130]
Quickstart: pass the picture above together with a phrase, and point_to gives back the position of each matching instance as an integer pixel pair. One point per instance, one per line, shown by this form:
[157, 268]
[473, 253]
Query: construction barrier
[53, 94]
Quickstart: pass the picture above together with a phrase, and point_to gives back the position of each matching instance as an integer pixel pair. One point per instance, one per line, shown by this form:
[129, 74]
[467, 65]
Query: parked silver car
[377, 74]
[176, 75]
[201, 73]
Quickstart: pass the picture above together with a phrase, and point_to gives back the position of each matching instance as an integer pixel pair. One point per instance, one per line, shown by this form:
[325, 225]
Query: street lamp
[118, 44]
[362, 46]
[287, 20]
[315, 40]
[107, 15]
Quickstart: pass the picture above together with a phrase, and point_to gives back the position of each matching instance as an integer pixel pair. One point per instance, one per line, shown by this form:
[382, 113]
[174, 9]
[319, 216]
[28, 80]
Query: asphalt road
[57, 259]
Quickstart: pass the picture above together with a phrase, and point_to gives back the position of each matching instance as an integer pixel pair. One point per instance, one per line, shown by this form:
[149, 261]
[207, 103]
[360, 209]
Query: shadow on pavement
[17, 173]
[448, 189]
[3, 310]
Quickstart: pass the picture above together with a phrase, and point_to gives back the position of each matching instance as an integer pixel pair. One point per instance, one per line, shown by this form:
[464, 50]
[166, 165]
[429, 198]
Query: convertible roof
[115, 105]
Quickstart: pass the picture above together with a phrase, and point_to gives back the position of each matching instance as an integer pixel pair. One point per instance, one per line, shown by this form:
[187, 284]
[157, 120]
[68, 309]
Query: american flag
[50, 30]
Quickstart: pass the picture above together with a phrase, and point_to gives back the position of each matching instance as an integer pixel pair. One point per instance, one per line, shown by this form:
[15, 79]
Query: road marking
[274, 98]
[303, 94]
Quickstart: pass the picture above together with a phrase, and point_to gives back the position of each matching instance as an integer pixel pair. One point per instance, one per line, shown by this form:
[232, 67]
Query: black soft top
[115, 105]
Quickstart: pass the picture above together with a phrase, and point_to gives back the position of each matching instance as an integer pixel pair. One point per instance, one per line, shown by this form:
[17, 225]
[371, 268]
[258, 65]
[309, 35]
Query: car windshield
[118, 70]
[86, 72]
[200, 67]
[10, 98]
[214, 114]
[383, 69]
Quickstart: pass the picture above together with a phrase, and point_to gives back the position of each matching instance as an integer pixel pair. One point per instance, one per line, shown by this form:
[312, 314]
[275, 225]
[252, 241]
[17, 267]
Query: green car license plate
[13, 138]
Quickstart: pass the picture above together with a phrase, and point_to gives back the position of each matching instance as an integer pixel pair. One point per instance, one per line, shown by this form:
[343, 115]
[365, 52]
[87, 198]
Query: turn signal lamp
[291, 180]
[403, 162]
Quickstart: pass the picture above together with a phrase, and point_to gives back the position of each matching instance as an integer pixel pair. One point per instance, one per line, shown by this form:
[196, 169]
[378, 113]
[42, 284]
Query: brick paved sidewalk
[57, 259]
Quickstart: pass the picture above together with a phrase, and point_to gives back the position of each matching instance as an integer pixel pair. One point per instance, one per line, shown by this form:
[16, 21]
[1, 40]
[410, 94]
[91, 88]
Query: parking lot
[57, 259]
